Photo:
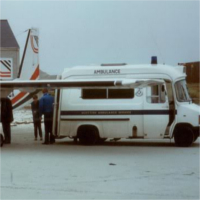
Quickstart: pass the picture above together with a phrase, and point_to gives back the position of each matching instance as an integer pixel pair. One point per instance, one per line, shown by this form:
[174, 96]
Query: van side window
[155, 94]
[107, 93]
[120, 93]
[94, 93]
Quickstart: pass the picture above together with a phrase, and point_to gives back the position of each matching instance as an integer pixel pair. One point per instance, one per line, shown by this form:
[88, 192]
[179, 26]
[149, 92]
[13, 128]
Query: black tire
[88, 135]
[183, 136]
[195, 137]
[101, 140]
[1, 140]
[75, 139]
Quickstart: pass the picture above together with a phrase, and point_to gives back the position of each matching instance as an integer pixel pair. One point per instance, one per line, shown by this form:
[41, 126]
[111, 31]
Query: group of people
[44, 106]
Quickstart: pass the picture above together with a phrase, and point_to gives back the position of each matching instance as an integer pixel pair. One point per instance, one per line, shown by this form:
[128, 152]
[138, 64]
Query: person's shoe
[41, 138]
[45, 143]
[53, 141]
[35, 139]
[6, 142]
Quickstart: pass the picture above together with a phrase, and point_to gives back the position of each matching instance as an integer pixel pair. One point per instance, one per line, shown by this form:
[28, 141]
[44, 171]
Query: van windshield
[182, 91]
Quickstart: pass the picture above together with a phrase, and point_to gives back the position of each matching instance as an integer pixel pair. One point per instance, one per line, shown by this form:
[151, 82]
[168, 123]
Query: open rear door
[156, 108]
[56, 112]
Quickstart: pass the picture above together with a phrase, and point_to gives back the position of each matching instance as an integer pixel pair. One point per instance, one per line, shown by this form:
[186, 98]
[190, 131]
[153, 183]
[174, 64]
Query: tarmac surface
[128, 169]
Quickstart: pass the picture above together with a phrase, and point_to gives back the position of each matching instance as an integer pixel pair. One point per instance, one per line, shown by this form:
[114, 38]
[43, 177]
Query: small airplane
[22, 89]
[28, 70]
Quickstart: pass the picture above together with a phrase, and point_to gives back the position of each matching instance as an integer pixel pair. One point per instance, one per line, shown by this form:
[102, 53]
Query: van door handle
[165, 106]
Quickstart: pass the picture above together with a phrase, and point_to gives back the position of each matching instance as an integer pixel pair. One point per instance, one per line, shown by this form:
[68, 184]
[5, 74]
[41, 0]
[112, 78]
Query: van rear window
[120, 93]
[94, 93]
[107, 93]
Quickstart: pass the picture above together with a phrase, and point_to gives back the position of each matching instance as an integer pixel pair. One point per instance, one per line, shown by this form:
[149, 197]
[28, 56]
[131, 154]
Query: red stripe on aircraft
[5, 72]
[18, 97]
[32, 45]
[35, 74]
[5, 76]
[22, 94]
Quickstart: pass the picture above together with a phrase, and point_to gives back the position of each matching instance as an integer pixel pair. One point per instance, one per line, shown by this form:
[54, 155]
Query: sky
[74, 33]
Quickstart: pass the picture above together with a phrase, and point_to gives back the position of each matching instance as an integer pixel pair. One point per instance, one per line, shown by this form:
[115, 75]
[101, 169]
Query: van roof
[168, 72]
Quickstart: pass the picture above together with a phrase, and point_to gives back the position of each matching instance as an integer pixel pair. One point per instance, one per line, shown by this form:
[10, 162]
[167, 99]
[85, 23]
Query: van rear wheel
[101, 140]
[88, 135]
[183, 136]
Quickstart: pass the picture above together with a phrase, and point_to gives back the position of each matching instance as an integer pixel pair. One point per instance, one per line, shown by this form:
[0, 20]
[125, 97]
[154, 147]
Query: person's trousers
[6, 131]
[48, 125]
[37, 127]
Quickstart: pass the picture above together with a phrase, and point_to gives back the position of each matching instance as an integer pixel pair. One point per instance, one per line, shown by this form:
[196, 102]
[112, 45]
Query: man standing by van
[6, 118]
[36, 117]
[46, 109]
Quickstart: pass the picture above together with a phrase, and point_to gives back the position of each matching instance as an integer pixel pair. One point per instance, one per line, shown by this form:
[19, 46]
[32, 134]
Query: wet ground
[125, 169]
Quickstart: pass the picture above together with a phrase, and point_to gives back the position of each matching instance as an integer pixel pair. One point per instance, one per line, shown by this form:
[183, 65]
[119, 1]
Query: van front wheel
[183, 136]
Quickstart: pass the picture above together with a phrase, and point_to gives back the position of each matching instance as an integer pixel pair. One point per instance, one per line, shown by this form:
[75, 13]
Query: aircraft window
[120, 93]
[94, 93]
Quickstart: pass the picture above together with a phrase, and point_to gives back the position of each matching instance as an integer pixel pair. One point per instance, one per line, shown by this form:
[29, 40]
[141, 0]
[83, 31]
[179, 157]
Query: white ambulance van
[146, 101]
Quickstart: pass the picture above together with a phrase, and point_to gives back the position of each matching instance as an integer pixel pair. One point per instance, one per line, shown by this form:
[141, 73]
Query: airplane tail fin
[28, 70]
[29, 67]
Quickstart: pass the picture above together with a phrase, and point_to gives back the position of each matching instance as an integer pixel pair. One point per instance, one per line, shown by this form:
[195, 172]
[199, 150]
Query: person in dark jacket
[6, 118]
[36, 117]
[46, 109]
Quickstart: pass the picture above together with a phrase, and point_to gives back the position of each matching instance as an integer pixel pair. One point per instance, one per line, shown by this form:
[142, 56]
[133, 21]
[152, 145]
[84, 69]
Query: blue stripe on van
[117, 112]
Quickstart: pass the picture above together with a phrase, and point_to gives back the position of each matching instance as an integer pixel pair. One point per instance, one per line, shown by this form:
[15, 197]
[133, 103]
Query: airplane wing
[53, 84]
[140, 83]
[26, 85]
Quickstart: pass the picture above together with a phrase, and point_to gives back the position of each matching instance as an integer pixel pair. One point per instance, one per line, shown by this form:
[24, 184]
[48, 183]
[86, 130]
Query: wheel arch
[81, 126]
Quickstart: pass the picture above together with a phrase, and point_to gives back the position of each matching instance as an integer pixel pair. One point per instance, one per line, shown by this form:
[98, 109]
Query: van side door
[156, 112]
